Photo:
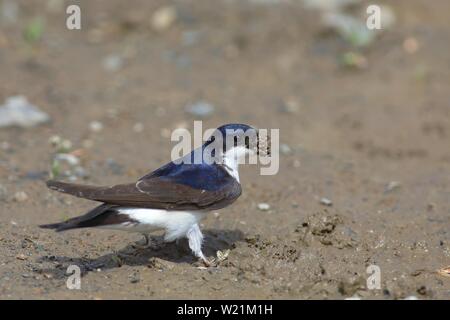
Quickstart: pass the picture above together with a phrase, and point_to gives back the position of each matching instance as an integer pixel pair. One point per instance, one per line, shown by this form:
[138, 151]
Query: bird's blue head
[242, 139]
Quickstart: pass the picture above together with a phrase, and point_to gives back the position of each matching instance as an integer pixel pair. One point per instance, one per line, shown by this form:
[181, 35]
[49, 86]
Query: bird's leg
[195, 238]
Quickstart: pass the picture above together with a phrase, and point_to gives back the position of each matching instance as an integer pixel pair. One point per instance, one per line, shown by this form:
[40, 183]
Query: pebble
[9, 11]
[20, 196]
[326, 202]
[62, 145]
[112, 63]
[17, 111]
[263, 206]
[138, 127]
[391, 186]
[200, 109]
[68, 158]
[163, 18]
[55, 140]
[290, 105]
[285, 149]
[21, 257]
[96, 126]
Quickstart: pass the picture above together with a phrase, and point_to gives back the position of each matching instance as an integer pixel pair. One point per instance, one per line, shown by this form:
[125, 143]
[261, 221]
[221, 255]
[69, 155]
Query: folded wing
[157, 192]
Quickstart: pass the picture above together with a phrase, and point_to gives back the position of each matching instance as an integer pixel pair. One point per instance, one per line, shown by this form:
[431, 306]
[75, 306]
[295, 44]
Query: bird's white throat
[232, 158]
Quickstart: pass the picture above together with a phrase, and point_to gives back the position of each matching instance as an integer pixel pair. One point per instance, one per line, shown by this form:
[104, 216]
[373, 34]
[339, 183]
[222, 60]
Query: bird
[175, 197]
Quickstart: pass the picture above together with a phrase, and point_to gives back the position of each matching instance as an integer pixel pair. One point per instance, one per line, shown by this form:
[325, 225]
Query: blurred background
[364, 121]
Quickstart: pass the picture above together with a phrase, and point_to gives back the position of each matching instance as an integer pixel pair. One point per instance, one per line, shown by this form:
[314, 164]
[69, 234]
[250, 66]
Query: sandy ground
[375, 141]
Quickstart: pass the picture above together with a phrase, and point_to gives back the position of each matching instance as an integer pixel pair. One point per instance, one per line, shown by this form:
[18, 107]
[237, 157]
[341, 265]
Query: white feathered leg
[195, 238]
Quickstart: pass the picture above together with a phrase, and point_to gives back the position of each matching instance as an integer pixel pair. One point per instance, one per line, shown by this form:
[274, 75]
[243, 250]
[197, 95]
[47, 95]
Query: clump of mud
[327, 229]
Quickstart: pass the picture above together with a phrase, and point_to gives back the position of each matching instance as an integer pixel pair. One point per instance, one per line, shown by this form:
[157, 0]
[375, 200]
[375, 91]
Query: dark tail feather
[100, 215]
[58, 227]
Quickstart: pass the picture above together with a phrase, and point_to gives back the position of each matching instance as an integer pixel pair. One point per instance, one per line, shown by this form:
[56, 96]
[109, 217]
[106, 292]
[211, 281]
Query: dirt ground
[374, 140]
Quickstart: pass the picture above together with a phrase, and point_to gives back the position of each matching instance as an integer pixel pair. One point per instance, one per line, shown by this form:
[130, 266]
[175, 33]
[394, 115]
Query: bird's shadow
[132, 255]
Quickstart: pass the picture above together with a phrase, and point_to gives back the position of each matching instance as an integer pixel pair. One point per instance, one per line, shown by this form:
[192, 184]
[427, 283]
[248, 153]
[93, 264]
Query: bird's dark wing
[170, 192]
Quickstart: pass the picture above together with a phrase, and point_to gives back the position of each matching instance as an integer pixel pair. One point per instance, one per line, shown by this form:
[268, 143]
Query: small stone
[65, 145]
[391, 186]
[20, 196]
[9, 11]
[263, 206]
[216, 214]
[200, 109]
[163, 18]
[17, 111]
[112, 63]
[326, 202]
[21, 257]
[96, 126]
[290, 105]
[68, 158]
[285, 149]
[55, 140]
[138, 127]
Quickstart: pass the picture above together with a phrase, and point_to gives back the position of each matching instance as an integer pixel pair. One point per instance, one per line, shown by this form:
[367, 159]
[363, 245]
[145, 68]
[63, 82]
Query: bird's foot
[144, 245]
[209, 263]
